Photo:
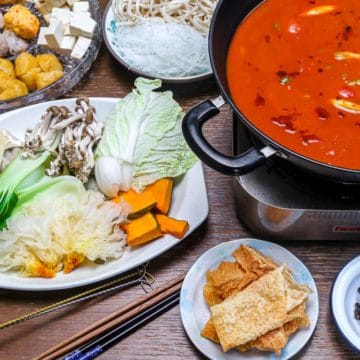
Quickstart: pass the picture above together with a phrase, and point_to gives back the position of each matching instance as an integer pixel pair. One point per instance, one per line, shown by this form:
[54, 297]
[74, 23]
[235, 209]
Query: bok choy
[25, 178]
[18, 175]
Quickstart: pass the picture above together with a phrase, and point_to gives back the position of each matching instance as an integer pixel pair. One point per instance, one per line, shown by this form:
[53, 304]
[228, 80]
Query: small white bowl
[344, 294]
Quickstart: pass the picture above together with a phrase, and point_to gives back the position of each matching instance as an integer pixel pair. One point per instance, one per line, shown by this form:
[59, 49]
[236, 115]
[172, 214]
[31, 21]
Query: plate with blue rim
[344, 296]
[195, 312]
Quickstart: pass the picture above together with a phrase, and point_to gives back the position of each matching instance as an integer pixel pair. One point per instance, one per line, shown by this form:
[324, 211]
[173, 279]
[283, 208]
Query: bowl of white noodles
[162, 39]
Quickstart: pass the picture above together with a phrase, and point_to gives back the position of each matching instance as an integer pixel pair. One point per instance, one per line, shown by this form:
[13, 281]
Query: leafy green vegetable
[17, 175]
[52, 187]
[24, 179]
[144, 134]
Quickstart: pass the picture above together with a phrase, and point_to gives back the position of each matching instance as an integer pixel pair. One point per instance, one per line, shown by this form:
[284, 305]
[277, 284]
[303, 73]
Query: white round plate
[109, 31]
[189, 203]
[344, 295]
[195, 312]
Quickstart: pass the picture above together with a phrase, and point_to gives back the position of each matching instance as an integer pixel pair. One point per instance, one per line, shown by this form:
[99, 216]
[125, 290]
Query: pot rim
[286, 152]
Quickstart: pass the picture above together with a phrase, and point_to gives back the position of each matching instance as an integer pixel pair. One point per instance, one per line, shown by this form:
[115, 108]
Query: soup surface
[293, 70]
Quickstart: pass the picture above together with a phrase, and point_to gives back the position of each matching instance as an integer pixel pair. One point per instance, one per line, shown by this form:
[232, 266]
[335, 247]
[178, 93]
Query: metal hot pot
[228, 15]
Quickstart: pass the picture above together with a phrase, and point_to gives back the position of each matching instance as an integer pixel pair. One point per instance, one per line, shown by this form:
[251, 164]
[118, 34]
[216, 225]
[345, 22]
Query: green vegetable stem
[19, 174]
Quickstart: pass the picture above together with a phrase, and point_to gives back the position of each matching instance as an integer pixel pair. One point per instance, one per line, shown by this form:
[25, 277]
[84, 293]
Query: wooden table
[165, 338]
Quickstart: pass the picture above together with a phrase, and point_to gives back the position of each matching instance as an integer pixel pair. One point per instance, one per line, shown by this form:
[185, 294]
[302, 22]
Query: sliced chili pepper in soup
[293, 69]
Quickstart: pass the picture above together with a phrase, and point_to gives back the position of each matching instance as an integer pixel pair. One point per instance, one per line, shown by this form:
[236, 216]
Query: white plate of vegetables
[91, 188]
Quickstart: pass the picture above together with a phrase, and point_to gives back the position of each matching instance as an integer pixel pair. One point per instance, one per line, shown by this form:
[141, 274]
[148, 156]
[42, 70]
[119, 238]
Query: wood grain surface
[165, 338]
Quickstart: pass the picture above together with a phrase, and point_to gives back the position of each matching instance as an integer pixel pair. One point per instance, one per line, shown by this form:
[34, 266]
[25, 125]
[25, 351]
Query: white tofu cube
[55, 34]
[61, 14]
[81, 6]
[47, 18]
[71, 2]
[41, 41]
[81, 25]
[85, 13]
[67, 30]
[82, 44]
[79, 15]
[67, 45]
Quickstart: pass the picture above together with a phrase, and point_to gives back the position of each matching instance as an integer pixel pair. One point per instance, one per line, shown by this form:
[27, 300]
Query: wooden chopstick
[111, 321]
[94, 348]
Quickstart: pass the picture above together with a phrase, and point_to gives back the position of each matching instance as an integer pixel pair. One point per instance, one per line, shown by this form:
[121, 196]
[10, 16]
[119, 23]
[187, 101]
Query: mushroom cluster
[9, 147]
[70, 136]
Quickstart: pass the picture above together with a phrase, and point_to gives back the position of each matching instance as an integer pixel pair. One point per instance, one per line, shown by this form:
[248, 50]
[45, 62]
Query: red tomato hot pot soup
[293, 69]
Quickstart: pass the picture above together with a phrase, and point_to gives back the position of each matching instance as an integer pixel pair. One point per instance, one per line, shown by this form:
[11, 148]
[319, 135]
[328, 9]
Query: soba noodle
[197, 13]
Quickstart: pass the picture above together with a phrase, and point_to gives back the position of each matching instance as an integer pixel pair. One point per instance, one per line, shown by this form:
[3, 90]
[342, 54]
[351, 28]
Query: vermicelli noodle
[163, 49]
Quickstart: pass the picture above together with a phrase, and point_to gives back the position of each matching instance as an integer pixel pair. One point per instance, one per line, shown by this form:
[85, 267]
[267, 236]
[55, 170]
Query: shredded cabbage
[54, 233]
[163, 49]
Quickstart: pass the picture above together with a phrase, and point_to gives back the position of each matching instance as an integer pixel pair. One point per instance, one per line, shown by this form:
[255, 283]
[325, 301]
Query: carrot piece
[172, 226]
[38, 268]
[162, 191]
[71, 261]
[139, 202]
[142, 230]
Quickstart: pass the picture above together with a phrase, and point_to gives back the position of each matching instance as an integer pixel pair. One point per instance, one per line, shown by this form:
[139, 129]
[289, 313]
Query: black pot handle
[192, 130]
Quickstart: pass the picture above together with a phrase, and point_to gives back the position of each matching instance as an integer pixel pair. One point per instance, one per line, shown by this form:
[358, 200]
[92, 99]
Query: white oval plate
[189, 203]
[344, 295]
[195, 312]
